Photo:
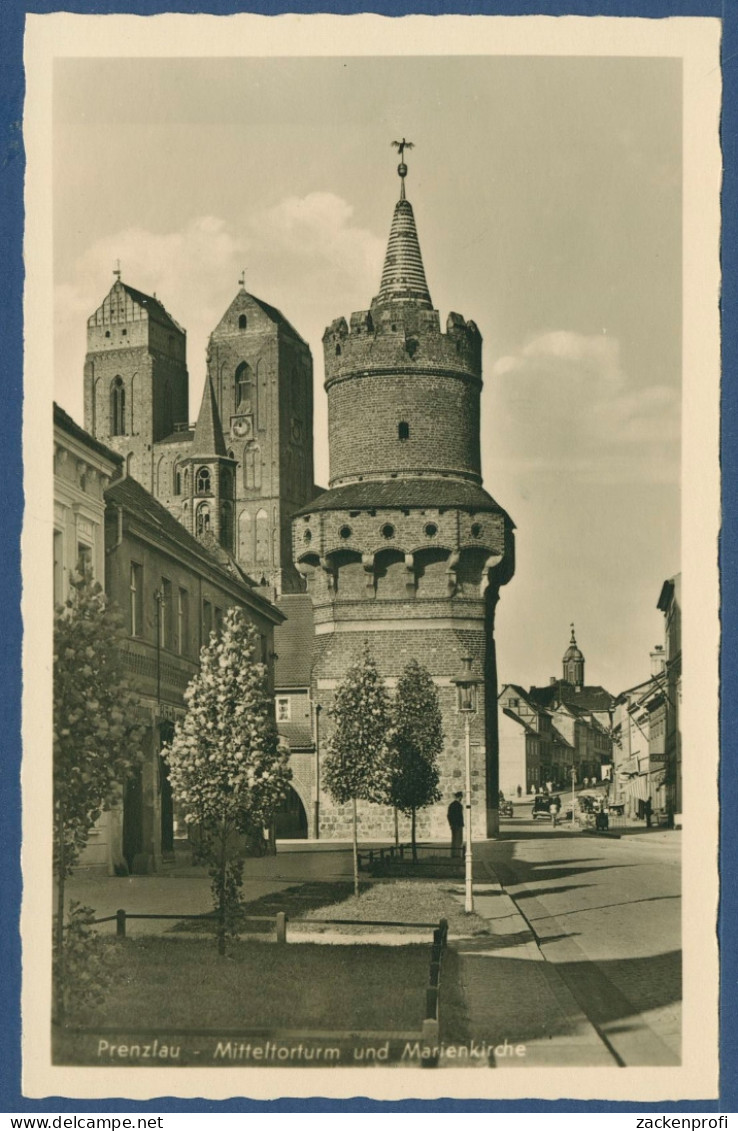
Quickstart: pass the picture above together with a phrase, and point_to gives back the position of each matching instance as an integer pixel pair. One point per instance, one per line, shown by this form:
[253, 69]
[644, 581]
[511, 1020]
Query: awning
[638, 788]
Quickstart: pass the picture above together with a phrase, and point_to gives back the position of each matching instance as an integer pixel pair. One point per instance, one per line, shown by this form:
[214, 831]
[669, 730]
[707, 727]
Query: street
[605, 914]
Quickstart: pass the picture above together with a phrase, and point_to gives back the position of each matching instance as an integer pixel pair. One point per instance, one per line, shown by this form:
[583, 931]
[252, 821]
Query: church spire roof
[403, 277]
[208, 438]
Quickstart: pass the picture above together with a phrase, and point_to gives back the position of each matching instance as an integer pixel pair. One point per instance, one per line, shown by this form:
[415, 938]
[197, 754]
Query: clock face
[241, 426]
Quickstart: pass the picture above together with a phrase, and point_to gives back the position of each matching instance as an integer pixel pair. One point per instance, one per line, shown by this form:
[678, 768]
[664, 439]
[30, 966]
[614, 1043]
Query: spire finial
[242, 279]
[116, 270]
[401, 146]
[573, 638]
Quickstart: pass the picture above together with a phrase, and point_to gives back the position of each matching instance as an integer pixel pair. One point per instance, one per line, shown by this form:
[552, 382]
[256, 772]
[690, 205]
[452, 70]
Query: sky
[547, 196]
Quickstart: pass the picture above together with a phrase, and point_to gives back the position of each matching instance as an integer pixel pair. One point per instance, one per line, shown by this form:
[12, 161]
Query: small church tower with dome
[573, 663]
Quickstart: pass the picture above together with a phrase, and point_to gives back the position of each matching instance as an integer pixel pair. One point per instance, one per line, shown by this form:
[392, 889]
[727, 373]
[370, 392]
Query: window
[262, 536]
[283, 709]
[226, 526]
[58, 567]
[242, 321]
[165, 614]
[207, 621]
[243, 383]
[117, 408]
[84, 558]
[183, 621]
[136, 598]
[388, 530]
[403, 430]
[177, 482]
[202, 519]
[202, 481]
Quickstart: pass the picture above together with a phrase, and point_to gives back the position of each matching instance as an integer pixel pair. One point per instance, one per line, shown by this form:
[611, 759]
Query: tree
[96, 740]
[355, 767]
[417, 740]
[227, 770]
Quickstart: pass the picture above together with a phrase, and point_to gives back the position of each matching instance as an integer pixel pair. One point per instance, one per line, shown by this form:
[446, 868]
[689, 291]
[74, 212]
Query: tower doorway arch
[290, 820]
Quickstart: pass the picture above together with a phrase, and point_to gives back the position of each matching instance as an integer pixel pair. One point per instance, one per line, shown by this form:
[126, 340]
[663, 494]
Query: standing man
[456, 824]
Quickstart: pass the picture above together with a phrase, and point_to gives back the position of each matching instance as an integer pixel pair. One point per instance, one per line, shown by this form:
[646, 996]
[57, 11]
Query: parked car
[541, 805]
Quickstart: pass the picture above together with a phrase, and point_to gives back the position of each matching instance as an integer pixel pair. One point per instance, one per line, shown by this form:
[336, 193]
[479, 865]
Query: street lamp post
[466, 703]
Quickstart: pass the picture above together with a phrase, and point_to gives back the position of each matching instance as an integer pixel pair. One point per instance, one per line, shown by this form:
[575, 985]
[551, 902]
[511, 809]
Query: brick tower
[261, 373]
[135, 382]
[406, 550]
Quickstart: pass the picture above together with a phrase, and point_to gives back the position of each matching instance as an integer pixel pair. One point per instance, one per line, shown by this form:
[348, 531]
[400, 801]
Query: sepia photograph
[383, 365]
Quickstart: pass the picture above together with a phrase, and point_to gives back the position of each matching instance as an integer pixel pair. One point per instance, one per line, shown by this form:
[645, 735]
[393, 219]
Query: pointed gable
[208, 438]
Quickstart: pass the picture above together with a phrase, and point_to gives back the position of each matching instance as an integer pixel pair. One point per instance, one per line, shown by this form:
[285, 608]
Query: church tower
[135, 380]
[207, 477]
[261, 373]
[573, 663]
[406, 550]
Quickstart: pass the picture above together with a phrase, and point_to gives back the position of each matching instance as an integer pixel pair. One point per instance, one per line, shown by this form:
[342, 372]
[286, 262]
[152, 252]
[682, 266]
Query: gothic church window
[243, 384]
[202, 482]
[117, 408]
[202, 519]
[262, 536]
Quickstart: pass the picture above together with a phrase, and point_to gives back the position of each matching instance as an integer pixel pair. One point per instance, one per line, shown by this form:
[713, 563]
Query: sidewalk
[514, 998]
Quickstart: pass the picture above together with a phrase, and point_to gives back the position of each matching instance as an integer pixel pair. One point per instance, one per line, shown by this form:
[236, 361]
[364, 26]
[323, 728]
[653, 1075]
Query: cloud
[563, 404]
[303, 255]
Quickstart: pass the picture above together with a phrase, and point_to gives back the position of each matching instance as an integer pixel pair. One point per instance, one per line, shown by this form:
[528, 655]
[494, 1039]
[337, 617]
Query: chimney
[658, 660]
[552, 680]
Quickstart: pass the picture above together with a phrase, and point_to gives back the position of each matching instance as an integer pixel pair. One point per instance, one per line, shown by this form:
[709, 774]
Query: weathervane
[242, 280]
[116, 271]
[401, 146]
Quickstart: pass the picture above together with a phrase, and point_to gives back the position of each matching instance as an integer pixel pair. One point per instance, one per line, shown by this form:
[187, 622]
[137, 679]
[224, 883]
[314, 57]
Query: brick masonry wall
[421, 400]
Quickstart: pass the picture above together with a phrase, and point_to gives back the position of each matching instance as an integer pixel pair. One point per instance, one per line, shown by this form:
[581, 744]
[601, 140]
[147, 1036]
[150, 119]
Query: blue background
[12, 164]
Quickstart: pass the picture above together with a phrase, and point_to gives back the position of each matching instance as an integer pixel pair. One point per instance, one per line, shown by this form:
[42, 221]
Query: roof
[184, 436]
[556, 733]
[403, 277]
[372, 494]
[208, 438]
[293, 641]
[516, 718]
[298, 735]
[240, 304]
[151, 305]
[163, 526]
[63, 420]
[592, 698]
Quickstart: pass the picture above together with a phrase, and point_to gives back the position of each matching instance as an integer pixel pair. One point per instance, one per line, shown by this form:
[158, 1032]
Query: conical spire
[403, 277]
[208, 438]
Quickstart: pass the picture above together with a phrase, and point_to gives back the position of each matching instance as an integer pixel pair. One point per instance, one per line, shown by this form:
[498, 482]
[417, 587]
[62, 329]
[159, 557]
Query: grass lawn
[182, 983]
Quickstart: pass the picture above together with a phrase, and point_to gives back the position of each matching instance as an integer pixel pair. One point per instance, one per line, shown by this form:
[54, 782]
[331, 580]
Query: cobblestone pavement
[606, 915]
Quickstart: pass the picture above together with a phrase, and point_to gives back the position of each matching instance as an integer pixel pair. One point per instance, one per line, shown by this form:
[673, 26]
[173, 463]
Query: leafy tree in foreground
[96, 743]
[417, 740]
[355, 766]
[226, 768]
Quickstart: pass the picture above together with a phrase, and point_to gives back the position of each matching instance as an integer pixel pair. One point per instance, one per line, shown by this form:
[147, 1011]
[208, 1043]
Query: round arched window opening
[242, 321]
[308, 536]
[338, 351]
[345, 532]
[431, 530]
[476, 530]
[202, 481]
[388, 530]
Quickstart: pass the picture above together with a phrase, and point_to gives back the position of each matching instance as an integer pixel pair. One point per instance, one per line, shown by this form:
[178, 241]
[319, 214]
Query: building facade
[83, 468]
[406, 550]
[242, 470]
[173, 591]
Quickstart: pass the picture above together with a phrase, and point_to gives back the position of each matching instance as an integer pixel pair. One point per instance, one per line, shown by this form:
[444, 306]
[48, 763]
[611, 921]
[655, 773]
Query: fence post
[281, 927]
[120, 923]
